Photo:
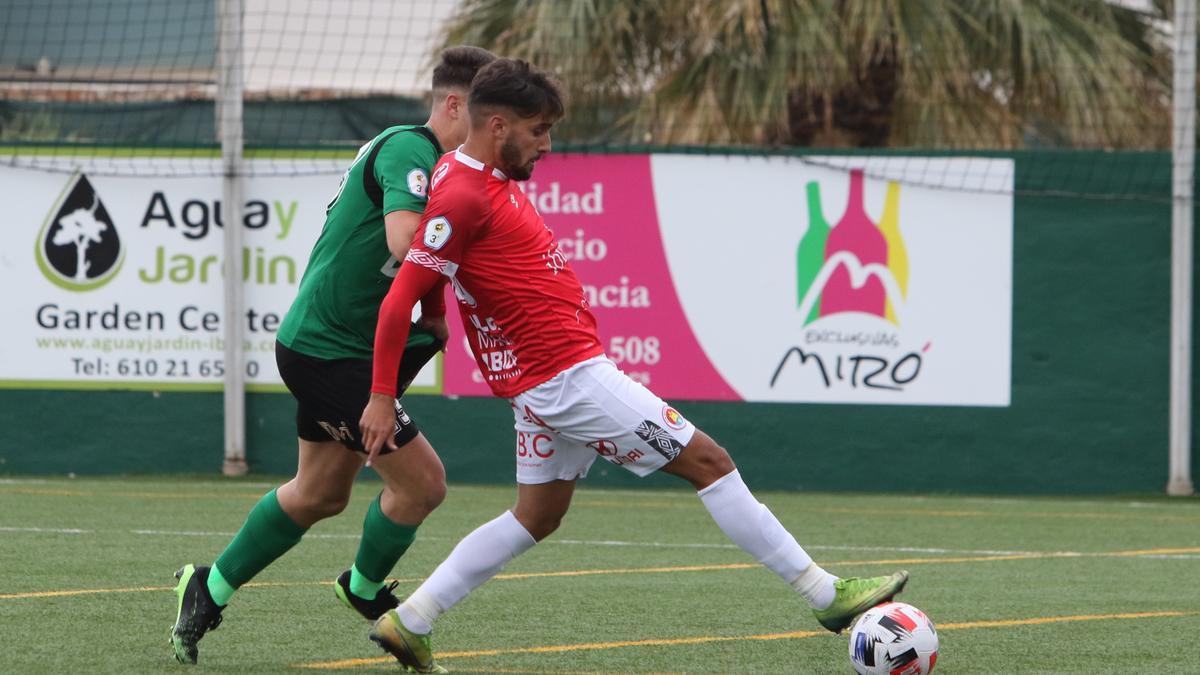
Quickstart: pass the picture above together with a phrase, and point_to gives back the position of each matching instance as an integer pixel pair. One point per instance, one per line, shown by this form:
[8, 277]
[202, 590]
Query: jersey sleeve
[455, 216]
[402, 170]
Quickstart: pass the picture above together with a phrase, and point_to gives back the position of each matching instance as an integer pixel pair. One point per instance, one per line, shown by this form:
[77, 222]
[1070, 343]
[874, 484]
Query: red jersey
[523, 309]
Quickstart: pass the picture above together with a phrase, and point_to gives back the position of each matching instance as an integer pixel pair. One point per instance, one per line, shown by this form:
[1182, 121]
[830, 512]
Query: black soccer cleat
[370, 609]
[197, 613]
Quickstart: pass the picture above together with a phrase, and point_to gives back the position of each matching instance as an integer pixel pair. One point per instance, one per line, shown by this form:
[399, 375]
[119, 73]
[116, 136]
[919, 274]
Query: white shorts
[592, 410]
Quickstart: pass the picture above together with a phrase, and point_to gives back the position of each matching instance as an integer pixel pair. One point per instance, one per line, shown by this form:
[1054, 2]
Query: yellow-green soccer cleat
[196, 613]
[409, 648]
[854, 595]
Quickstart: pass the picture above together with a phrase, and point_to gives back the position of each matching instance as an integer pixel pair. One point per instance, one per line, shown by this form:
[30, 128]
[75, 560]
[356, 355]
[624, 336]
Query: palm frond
[945, 73]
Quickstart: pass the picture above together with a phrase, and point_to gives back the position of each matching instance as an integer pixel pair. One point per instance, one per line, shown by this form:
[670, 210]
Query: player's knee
[712, 463]
[322, 506]
[539, 524]
[702, 462]
[430, 490]
[432, 495]
[544, 527]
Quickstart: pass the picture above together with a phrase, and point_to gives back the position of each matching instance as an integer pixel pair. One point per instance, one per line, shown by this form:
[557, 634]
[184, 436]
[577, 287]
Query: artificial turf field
[635, 581]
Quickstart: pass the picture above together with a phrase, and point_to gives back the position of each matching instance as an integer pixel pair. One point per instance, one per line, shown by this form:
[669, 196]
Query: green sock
[267, 534]
[383, 542]
[220, 589]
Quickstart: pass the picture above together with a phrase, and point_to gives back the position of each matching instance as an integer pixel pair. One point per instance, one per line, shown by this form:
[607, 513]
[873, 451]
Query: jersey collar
[470, 161]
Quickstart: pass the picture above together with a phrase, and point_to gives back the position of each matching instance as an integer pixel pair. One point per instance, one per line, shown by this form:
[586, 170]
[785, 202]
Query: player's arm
[412, 283]
[401, 227]
[433, 313]
[402, 172]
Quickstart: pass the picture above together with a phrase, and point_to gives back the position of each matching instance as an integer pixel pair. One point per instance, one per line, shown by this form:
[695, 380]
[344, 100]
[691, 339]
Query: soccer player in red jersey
[535, 340]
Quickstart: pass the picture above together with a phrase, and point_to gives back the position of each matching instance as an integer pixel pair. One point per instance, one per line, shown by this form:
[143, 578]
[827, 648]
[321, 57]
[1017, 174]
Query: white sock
[478, 557]
[816, 586]
[752, 526]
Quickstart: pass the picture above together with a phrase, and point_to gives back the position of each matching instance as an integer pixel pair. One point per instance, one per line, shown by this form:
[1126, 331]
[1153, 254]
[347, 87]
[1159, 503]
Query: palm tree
[849, 73]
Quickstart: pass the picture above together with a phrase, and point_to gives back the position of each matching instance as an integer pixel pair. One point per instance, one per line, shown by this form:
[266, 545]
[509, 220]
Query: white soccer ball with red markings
[893, 639]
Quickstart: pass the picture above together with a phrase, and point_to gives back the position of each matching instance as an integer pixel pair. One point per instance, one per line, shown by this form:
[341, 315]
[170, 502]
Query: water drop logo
[78, 247]
[856, 265]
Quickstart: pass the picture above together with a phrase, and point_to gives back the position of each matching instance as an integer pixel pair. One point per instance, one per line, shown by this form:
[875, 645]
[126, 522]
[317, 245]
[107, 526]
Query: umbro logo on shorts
[658, 439]
[604, 448]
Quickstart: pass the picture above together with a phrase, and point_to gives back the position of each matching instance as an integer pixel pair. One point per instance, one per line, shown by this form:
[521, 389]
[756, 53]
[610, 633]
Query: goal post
[230, 124]
[1183, 163]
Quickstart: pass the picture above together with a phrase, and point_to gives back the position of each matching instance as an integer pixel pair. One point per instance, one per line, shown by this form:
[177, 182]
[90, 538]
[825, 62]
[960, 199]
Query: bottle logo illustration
[856, 265]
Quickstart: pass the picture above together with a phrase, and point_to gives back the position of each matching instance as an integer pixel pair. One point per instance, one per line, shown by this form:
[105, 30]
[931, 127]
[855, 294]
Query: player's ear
[498, 125]
[456, 104]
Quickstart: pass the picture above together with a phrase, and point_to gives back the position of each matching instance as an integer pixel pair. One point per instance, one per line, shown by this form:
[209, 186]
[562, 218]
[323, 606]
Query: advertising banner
[603, 210]
[844, 280]
[830, 280]
[117, 281]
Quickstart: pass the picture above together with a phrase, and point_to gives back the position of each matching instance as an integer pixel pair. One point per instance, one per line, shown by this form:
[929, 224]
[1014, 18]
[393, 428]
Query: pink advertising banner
[816, 279]
[603, 210]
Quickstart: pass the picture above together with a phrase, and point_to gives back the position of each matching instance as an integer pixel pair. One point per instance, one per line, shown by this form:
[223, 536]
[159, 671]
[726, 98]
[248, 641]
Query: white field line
[71, 482]
[684, 495]
[46, 530]
[644, 544]
[610, 543]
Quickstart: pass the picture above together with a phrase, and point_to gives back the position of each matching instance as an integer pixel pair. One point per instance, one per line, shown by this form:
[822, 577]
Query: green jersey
[351, 267]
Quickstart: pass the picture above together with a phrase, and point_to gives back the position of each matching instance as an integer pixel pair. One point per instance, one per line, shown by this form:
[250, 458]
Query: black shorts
[331, 394]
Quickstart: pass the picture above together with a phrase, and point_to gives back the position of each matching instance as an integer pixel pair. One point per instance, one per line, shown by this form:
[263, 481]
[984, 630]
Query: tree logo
[78, 247]
[855, 266]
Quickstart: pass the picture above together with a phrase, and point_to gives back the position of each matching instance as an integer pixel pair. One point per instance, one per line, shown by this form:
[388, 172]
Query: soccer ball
[893, 639]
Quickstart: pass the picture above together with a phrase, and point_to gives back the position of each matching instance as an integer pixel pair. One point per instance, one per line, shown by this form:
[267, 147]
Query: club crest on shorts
[673, 419]
[418, 183]
[437, 232]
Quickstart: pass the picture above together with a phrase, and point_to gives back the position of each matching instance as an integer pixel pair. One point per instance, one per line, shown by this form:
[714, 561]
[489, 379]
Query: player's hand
[378, 425]
[437, 326]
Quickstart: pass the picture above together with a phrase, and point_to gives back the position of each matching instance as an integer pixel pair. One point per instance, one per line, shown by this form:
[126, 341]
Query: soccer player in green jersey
[323, 350]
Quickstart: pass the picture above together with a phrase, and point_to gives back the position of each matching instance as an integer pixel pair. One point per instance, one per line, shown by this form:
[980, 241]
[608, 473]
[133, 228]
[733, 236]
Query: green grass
[1074, 559]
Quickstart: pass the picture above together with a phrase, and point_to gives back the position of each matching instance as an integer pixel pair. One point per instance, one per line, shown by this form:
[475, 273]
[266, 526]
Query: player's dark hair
[517, 86]
[458, 66]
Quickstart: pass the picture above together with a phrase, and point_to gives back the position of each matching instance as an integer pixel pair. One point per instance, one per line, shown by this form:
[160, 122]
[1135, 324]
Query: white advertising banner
[795, 279]
[118, 280]
[843, 279]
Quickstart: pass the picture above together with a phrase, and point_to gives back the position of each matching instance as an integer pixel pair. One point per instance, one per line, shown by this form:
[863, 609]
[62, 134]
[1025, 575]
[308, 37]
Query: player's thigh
[325, 471]
[597, 407]
[330, 396]
[543, 455]
[413, 470]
